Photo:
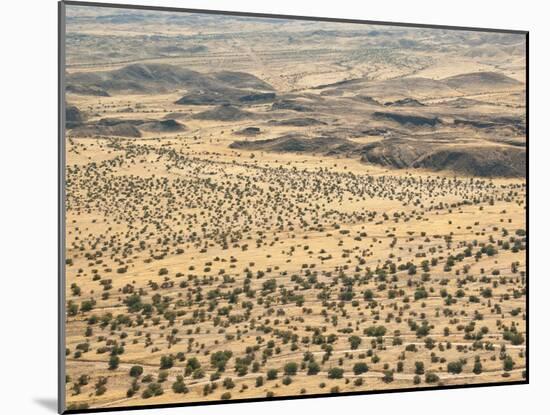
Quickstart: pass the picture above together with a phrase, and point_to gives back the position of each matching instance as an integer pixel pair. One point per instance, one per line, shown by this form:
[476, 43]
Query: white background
[28, 197]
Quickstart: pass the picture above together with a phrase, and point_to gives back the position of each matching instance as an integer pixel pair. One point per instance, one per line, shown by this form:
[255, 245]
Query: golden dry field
[261, 207]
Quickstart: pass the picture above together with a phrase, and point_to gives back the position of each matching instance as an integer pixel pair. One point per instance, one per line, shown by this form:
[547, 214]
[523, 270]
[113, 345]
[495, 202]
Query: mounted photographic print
[258, 207]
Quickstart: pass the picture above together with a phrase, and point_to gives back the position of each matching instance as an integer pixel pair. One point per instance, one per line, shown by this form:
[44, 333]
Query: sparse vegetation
[296, 231]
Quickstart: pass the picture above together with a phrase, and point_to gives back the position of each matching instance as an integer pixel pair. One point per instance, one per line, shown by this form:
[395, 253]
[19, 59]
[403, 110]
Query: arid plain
[263, 207]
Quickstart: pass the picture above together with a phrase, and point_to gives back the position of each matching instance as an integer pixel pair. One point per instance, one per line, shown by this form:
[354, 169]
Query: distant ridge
[481, 80]
[158, 78]
[483, 161]
[224, 113]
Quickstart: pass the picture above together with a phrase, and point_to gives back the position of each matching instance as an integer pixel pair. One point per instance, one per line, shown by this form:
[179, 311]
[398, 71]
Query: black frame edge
[527, 204]
[291, 398]
[61, 374]
[285, 16]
